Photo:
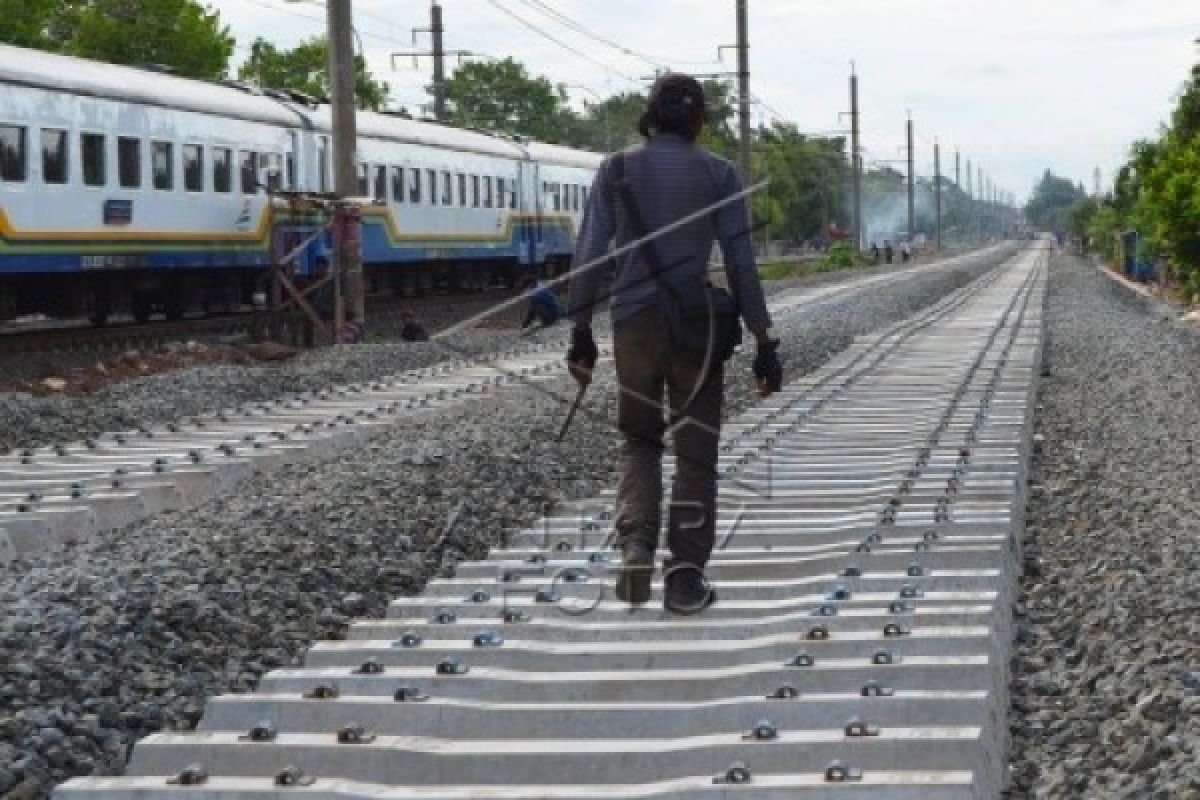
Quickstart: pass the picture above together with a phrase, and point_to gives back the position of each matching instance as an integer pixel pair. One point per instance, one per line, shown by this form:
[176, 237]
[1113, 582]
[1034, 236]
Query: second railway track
[872, 519]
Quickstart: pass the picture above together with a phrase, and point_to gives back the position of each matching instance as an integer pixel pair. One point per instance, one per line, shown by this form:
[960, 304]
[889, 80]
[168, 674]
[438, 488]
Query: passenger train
[127, 190]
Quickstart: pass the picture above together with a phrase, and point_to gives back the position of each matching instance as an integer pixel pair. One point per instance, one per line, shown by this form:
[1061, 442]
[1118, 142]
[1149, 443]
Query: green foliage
[186, 37]
[503, 96]
[305, 68]
[777, 271]
[1103, 228]
[842, 255]
[805, 193]
[1157, 193]
[1053, 198]
[26, 23]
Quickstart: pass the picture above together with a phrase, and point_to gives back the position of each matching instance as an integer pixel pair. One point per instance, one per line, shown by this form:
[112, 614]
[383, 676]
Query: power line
[582, 29]
[569, 48]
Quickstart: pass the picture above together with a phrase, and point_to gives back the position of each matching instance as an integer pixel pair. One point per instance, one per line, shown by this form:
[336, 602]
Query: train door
[532, 243]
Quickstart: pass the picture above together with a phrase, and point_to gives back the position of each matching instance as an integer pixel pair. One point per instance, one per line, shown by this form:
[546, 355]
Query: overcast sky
[1017, 85]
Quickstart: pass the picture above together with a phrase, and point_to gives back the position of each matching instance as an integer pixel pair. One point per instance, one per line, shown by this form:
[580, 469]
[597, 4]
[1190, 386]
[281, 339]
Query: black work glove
[581, 358]
[768, 370]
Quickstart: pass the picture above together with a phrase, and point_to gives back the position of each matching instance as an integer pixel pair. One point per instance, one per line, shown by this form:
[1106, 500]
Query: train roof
[60, 73]
[55, 72]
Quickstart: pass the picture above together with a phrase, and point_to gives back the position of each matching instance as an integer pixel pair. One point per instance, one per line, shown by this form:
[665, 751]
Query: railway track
[53, 496]
[871, 517]
[121, 337]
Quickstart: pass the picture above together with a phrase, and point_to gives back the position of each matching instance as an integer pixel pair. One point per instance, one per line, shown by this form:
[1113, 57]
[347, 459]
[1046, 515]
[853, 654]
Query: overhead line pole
[342, 73]
[937, 191]
[743, 48]
[856, 161]
[912, 185]
[437, 30]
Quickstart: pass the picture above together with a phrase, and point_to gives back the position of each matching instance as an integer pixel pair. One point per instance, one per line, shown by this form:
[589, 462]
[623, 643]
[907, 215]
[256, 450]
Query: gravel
[131, 632]
[1106, 674]
[29, 421]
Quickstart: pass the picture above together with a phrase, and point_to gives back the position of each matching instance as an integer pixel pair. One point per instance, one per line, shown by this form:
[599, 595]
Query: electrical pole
[957, 169]
[912, 185]
[979, 205]
[937, 191]
[437, 29]
[856, 162]
[342, 73]
[743, 48]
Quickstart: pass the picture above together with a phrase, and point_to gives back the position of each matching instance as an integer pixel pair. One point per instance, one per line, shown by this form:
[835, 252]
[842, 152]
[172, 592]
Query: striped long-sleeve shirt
[671, 179]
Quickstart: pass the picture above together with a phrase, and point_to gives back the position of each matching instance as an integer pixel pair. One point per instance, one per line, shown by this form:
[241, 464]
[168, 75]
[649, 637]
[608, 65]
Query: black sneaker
[636, 572]
[687, 590]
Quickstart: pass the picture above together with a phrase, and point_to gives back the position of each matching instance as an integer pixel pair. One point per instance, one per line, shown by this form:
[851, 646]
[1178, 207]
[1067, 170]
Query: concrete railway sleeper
[859, 649]
[52, 496]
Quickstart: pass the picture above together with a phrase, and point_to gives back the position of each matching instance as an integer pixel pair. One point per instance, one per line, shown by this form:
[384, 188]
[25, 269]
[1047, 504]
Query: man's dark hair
[676, 105]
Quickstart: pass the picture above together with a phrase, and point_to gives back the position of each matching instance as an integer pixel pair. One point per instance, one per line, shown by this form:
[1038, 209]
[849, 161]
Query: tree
[1052, 200]
[26, 23]
[181, 35]
[305, 68]
[502, 96]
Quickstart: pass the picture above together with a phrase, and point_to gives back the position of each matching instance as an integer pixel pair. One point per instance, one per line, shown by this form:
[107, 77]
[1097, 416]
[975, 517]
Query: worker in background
[889, 255]
[352, 331]
[875, 252]
[905, 252]
[670, 178]
[411, 330]
[544, 308]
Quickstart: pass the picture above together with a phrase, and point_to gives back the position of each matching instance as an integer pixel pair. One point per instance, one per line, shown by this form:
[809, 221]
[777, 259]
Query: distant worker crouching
[661, 343]
[544, 308]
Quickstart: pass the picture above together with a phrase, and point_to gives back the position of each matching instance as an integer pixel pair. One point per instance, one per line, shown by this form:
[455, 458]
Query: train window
[487, 191]
[94, 169]
[558, 198]
[414, 185]
[193, 167]
[163, 165]
[12, 153]
[433, 189]
[129, 162]
[447, 189]
[290, 167]
[583, 196]
[501, 188]
[475, 191]
[512, 194]
[54, 156]
[272, 167]
[323, 164]
[364, 180]
[222, 158]
[462, 189]
[248, 168]
[398, 184]
[381, 184]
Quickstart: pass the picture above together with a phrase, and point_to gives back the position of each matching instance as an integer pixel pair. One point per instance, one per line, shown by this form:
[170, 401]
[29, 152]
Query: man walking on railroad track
[672, 332]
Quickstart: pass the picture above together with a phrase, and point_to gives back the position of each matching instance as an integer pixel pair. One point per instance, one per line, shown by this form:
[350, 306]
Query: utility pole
[912, 185]
[979, 206]
[957, 169]
[743, 48]
[856, 162]
[437, 29]
[937, 191]
[348, 227]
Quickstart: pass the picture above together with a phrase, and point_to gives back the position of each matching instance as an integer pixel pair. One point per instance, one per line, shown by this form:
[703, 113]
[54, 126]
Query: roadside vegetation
[1157, 196]
[839, 257]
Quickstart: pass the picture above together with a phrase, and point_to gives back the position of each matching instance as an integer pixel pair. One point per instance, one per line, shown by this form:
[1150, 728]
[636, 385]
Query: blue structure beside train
[124, 190]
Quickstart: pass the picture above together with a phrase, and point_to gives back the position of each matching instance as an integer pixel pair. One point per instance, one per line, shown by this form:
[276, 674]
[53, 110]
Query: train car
[126, 190]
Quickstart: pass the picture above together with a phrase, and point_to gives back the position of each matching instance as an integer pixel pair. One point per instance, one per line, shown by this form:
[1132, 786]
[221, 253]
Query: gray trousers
[646, 370]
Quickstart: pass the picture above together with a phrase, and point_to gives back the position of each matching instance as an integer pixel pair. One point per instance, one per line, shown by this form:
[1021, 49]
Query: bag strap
[638, 222]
